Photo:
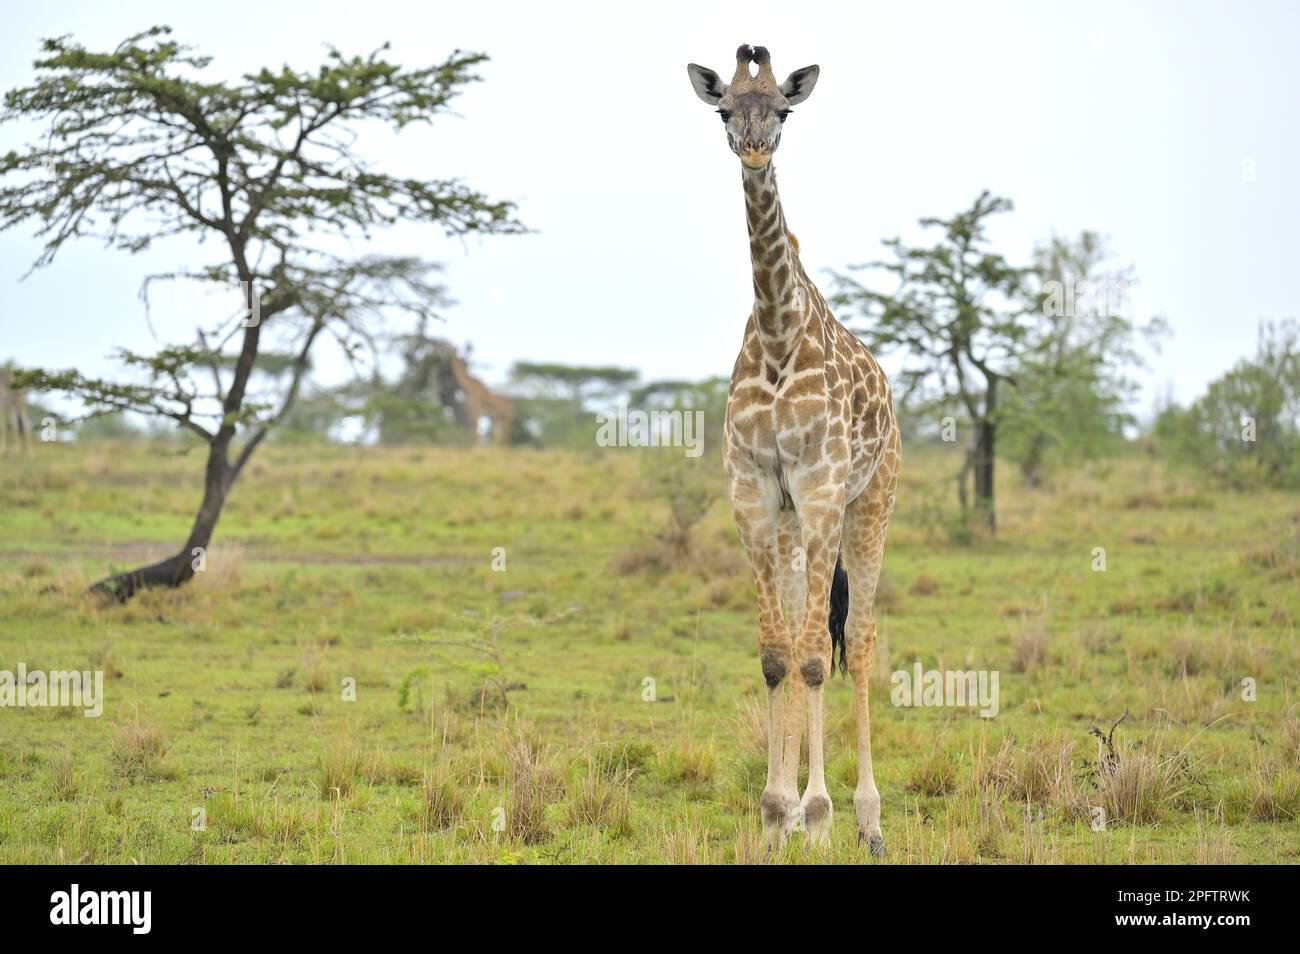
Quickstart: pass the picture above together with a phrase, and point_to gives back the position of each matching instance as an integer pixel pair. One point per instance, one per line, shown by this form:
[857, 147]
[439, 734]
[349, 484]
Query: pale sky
[1171, 128]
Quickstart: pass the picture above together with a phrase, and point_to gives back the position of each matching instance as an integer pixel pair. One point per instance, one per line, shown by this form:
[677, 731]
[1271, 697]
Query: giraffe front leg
[793, 586]
[755, 508]
[822, 517]
[779, 804]
[865, 523]
[815, 806]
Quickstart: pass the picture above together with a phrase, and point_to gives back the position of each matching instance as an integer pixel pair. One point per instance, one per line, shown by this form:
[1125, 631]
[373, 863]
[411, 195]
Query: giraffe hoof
[781, 815]
[773, 809]
[875, 844]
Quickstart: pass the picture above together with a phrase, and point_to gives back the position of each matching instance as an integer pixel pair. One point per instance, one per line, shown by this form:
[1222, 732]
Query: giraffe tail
[839, 615]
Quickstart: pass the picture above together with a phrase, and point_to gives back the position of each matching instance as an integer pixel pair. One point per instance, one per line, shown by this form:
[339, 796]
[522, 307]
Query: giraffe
[479, 402]
[13, 412]
[811, 458]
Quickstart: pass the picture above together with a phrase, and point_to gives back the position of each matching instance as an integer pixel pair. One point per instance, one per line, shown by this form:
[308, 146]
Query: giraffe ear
[798, 86]
[708, 85]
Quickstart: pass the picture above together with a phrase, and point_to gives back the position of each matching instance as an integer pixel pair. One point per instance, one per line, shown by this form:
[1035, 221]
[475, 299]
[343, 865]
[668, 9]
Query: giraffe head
[753, 107]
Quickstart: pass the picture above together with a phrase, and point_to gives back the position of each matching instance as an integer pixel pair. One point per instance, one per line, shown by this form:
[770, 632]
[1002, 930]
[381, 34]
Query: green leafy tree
[138, 146]
[1246, 428]
[312, 419]
[1072, 377]
[960, 316]
[687, 486]
[553, 402]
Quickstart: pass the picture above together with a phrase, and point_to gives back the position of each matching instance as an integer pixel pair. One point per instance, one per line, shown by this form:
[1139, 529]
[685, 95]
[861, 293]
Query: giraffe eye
[726, 116]
[783, 113]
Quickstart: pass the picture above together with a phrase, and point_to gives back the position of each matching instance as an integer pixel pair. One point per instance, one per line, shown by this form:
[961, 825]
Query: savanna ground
[502, 716]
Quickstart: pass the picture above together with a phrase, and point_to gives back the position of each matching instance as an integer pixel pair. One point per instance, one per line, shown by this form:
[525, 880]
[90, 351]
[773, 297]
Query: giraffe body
[811, 457]
[480, 402]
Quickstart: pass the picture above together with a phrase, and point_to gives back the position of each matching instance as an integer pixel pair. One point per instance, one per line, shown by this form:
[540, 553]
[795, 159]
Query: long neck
[778, 308]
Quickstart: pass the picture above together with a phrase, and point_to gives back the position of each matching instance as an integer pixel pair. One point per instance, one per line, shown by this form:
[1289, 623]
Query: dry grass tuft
[1268, 792]
[1039, 772]
[934, 773]
[691, 762]
[1134, 786]
[1029, 647]
[1140, 787]
[532, 783]
[315, 675]
[1291, 736]
[616, 760]
[750, 847]
[1212, 844]
[36, 567]
[342, 766]
[139, 751]
[64, 777]
[924, 585]
[690, 845]
[442, 800]
[601, 801]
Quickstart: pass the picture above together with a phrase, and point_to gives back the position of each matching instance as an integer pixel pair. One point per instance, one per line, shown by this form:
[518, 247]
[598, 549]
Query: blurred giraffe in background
[480, 402]
[13, 411]
[812, 455]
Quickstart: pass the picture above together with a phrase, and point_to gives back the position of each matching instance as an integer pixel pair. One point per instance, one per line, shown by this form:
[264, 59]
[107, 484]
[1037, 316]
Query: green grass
[501, 716]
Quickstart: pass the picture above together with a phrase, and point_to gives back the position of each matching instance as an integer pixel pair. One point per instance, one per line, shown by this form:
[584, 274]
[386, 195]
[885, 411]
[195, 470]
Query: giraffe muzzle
[755, 153]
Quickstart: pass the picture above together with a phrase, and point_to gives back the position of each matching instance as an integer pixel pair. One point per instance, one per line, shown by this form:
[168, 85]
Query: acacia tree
[960, 315]
[1072, 378]
[139, 147]
[577, 383]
